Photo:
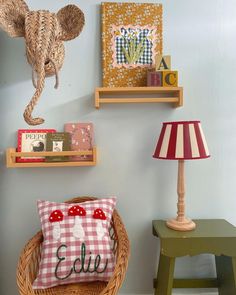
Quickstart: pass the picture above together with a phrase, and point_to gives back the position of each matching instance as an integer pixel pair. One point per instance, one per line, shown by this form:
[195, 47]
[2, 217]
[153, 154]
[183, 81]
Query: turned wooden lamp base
[181, 223]
[184, 225]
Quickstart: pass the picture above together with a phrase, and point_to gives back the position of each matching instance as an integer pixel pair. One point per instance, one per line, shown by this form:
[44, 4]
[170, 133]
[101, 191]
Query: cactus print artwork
[131, 38]
[133, 46]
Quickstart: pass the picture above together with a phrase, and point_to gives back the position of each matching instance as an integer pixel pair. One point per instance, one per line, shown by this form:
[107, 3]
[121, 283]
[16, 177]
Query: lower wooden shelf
[11, 155]
[139, 95]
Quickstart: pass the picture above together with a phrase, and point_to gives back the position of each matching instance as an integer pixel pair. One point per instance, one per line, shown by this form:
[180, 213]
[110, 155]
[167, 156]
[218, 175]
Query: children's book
[58, 142]
[82, 138]
[32, 140]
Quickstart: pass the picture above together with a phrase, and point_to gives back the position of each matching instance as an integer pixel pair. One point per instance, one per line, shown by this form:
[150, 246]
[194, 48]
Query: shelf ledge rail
[11, 155]
[144, 95]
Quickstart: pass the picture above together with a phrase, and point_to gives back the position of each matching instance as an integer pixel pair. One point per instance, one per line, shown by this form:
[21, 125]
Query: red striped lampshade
[183, 140]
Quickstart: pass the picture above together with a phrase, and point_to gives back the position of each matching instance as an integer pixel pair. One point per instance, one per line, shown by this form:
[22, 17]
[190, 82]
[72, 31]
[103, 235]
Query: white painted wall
[200, 36]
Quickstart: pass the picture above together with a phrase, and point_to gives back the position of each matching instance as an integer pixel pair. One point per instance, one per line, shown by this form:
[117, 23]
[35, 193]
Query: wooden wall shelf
[11, 155]
[139, 95]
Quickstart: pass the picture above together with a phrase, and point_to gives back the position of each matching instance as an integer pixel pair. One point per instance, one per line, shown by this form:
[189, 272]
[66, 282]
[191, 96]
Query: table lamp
[183, 140]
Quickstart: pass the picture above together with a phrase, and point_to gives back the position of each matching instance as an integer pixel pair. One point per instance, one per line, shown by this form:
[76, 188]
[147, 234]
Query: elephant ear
[12, 17]
[71, 20]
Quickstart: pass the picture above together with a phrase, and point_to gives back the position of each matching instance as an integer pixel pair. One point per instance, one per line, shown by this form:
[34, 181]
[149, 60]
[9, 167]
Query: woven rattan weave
[44, 33]
[29, 262]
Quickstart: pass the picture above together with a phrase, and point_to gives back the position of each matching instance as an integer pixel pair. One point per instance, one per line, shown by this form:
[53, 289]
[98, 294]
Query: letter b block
[170, 78]
[154, 79]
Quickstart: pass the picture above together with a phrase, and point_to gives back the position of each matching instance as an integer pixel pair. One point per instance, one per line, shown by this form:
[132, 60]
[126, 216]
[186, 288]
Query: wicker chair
[30, 257]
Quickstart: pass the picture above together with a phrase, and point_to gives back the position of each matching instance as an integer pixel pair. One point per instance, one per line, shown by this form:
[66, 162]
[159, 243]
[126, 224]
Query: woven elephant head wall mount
[44, 33]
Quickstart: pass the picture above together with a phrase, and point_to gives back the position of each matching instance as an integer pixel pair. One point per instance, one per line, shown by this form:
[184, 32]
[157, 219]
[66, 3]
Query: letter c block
[170, 78]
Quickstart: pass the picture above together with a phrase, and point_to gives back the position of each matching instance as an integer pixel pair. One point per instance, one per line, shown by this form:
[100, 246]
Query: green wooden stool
[215, 236]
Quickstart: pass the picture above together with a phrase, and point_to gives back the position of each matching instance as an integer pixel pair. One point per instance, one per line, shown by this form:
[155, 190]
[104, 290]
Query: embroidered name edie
[79, 265]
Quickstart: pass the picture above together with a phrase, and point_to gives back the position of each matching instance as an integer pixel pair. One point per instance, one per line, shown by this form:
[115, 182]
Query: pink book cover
[82, 138]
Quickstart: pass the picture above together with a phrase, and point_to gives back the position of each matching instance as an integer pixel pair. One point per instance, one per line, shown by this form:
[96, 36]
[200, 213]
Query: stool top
[204, 228]
[216, 236]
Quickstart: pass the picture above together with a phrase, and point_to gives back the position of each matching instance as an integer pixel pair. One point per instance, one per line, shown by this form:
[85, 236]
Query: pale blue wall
[200, 36]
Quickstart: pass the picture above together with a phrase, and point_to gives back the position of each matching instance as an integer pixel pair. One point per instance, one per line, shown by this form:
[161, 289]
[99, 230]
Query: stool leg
[226, 274]
[165, 275]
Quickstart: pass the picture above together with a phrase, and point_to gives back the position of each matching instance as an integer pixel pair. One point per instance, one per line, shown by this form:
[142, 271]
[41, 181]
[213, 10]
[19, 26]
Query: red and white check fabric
[68, 258]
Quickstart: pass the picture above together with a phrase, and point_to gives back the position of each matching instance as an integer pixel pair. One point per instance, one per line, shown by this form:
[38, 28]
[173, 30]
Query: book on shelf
[32, 140]
[82, 138]
[58, 142]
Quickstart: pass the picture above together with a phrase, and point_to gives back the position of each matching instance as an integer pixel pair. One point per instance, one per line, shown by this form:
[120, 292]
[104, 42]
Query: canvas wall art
[131, 38]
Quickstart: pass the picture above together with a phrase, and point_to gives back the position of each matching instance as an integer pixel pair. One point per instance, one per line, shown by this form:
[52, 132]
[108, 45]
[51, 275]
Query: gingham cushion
[75, 248]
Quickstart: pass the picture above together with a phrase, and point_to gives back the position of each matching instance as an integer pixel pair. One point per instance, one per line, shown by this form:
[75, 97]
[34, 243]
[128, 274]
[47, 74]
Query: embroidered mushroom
[78, 212]
[56, 217]
[100, 216]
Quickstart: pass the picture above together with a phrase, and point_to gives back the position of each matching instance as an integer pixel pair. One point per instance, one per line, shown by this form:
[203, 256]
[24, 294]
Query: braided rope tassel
[33, 78]
[56, 74]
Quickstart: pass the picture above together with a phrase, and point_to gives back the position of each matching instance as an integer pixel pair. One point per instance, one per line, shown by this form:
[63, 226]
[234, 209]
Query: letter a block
[170, 78]
[163, 62]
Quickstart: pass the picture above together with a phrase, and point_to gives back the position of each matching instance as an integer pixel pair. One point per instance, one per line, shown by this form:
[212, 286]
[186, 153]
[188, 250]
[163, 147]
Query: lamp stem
[181, 192]
[181, 223]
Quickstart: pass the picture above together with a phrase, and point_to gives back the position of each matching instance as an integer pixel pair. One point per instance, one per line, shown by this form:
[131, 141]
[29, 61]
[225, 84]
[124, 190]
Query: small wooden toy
[154, 79]
[163, 75]
[162, 78]
[170, 78]
[163, 62]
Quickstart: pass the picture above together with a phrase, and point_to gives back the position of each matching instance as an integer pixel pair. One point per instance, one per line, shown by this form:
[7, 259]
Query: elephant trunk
[39, 85]
[30, 107]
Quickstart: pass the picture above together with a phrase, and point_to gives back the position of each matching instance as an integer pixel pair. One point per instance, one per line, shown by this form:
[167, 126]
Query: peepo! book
[32, 140]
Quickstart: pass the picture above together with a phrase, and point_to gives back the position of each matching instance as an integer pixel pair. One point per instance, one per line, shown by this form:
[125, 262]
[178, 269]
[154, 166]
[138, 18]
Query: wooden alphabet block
[154, 79]
[170, 78]
[163, 62]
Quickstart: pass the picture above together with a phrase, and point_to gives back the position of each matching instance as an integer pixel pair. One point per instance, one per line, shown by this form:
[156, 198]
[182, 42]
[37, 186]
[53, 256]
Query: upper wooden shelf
[139, 95]
[11, 155]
